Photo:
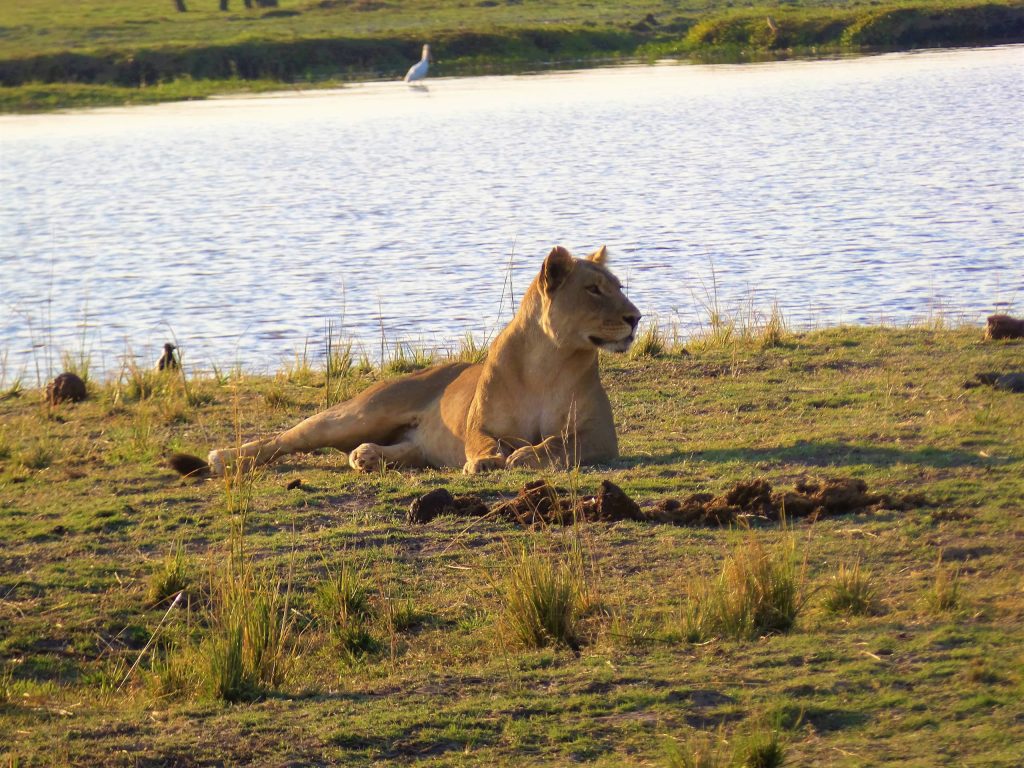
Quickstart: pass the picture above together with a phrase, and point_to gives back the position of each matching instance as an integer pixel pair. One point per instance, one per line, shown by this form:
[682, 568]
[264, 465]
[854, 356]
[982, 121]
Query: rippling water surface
[862, 190]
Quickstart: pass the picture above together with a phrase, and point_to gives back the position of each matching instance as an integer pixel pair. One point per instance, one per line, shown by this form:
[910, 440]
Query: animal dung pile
[539, 502]
[66, 387]
[1004, 327]
[441, 502]
[757, 500]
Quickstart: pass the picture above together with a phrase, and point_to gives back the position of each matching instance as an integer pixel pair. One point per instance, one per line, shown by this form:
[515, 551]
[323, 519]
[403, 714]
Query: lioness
[535, 401]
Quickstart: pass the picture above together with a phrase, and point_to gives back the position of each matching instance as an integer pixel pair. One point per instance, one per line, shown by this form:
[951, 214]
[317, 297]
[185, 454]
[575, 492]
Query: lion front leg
[483, 454]
[566, 451]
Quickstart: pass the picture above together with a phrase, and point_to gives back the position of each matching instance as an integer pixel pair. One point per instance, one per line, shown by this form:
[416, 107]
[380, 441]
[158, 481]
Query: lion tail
[187, 465]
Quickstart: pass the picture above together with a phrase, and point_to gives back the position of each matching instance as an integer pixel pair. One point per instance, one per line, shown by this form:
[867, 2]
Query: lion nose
[632, 319]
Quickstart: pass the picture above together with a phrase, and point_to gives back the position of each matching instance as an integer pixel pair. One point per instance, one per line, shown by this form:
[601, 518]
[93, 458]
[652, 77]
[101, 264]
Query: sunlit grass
[171, 575]
[542, 598]
[428, 657]
[852, 591]
[760, 590]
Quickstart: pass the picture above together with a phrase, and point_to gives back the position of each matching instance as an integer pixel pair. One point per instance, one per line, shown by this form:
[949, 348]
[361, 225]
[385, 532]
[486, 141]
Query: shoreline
[315, 367]
[143, 74]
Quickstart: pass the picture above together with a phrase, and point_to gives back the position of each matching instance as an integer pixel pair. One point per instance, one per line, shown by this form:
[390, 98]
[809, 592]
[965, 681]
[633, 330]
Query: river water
[866, 190]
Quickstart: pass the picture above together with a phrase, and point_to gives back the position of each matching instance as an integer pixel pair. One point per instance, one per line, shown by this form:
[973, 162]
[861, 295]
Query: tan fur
[535, 401]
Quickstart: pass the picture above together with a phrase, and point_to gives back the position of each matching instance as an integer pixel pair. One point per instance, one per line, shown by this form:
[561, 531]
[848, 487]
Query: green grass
[57, 55]
[437, 678]
[172, 575]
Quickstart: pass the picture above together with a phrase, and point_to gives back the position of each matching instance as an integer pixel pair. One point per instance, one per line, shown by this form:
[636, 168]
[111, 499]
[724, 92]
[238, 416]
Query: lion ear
[557, 267]
[600, 256]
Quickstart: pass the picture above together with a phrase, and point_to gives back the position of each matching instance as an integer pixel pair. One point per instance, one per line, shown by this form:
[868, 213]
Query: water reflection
[864, 190]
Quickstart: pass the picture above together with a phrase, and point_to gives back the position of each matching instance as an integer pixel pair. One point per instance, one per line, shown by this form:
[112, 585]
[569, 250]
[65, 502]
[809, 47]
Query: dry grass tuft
[852, 592]
[542, 599]
[760, 591]
[171, 576]
[944, 595]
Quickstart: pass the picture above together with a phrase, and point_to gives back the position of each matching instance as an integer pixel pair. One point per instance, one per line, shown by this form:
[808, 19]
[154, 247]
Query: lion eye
[594, 290]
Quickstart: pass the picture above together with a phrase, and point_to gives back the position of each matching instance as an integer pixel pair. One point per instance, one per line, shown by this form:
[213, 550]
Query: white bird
[419, 70]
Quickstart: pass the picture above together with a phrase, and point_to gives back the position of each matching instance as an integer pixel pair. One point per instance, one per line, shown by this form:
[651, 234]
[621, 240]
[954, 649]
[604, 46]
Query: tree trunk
[223, 5]
[180, 5]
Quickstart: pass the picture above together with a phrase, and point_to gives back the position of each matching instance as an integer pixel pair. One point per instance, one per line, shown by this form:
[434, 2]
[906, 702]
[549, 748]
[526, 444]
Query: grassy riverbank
[360, 639]
[55, 54]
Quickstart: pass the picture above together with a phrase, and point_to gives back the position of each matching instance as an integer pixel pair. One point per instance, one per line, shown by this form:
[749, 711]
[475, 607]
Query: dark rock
[1011, 382]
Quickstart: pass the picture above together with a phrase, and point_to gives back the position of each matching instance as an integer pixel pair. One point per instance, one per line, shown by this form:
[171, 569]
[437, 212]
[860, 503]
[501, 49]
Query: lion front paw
[366, 458]
[483, 464]
[526, 457]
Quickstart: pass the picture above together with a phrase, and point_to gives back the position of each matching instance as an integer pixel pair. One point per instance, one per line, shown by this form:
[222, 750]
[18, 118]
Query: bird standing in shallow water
[419, 70]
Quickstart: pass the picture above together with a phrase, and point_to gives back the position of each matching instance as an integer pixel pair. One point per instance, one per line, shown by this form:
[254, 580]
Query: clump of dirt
[539, 502]
[66, 387]
[441, 502]
[757, 500]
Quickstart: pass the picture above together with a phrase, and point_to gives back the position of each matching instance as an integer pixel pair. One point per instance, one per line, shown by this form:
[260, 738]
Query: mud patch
[539, 502]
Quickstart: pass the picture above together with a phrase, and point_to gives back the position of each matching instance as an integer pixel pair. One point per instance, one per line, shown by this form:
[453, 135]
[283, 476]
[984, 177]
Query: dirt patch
[539, 502]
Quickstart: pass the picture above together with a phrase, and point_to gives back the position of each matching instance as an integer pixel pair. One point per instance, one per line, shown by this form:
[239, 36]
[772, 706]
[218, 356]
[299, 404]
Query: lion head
[582, 303]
